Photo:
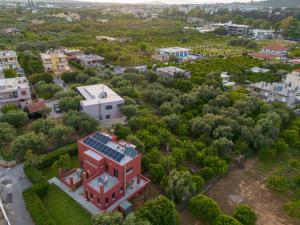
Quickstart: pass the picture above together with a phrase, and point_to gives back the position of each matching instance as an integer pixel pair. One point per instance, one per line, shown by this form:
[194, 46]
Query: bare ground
[248, 186]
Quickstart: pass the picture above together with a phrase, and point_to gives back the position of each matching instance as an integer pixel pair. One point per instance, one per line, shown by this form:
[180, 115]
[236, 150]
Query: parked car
[57, 109]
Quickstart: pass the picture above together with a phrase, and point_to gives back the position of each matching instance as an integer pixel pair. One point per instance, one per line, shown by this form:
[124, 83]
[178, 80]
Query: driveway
[16, 182]
[50, 103]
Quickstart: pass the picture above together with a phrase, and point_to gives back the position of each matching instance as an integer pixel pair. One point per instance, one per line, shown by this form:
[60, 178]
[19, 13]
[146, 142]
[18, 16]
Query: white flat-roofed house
[259, 70]
[171, 71]
[261, 34]
[293, 80]
[14, 91]
[100, 102]
[174, 52]
[89, 60]
[233, 29]
[8, 60]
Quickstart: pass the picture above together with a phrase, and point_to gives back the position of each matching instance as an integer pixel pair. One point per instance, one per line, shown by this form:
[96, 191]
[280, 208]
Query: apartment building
[89, 60]
[233, 29]
[287, 91]
[55, 61]
[109, 174]
[100, 101]
[261, 34]
[8, 60]
[14, 91]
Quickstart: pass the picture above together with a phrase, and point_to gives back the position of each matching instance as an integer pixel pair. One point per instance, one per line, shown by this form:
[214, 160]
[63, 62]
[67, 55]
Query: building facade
[8, 60]
[175, 52]
[110, 171]
[261, 34]
[55, 61]
[14, 91]
[100, 101]
[172, 71]
[89, 60]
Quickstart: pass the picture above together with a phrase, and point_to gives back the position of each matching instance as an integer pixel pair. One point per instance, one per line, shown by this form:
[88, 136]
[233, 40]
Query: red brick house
[110, 171]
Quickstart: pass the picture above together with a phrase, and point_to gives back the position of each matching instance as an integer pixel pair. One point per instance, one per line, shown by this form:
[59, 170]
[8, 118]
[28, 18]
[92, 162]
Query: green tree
[36, 142]
[121, 131]
[160, 211]
[8, 107]
[226, 220]
[15, 117]
[7, 133]
[218, 165]
[245, 215]
[60, 133]
[114, 218]
[69, 103]
[205, 208]
[42, 126]
[156, 172]
[292, 208]
[62, 162]
[46, 77]
[10, 73]
[129, 110]
[133, 220]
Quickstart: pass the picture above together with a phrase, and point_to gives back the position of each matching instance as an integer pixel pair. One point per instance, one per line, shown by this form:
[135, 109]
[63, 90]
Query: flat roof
[104, 179]
[170, 69]
[89, 57]
[174, 49]
[97, 94]
[7, 54]
[13, 83]
[93, 155]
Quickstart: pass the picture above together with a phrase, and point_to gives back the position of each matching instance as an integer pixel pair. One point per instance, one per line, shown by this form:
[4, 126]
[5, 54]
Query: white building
[14, 90]
[233, 29]
[259, 70]
[261, 34]
[8, 60]
[171, 71]
[287, 92]
[100, 101]
[225, 77]
[176, 52]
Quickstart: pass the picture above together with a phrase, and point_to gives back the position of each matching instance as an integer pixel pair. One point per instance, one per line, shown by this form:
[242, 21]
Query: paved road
[53, 114]
[17, 212]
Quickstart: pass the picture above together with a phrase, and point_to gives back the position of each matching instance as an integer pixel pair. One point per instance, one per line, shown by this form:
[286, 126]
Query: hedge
[36, 208]
[34, 175]
[50, 158]
[32, 195]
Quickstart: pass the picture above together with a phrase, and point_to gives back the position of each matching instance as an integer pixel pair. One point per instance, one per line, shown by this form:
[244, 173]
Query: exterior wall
[273, 52]
[100, 112]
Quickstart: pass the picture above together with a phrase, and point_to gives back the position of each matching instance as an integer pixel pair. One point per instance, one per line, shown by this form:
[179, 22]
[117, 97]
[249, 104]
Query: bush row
[48, 159]
[35, 206]
[33, 194]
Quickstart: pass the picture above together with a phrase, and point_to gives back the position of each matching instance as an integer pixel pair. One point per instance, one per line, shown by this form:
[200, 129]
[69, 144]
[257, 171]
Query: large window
[119, 105]
[116, 173]
[107, 107]
[113, 196]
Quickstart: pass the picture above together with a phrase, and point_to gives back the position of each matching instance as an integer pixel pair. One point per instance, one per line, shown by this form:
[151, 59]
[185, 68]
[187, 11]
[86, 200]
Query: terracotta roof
[35, 106]
[261, 55]
[276, 47]
[294, 61]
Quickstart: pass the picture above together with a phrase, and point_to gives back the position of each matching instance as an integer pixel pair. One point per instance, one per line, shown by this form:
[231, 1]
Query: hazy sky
[170, 1]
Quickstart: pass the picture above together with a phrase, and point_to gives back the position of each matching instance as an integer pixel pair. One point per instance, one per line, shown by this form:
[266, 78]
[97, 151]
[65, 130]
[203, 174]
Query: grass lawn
[63, 209]
[50, 172]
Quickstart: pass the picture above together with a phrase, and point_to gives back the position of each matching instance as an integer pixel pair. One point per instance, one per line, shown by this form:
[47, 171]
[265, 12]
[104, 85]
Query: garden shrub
[34, 175]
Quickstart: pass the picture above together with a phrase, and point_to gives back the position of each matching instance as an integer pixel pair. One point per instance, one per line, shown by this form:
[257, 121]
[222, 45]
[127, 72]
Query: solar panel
[99, 146]
[130, 152]
[102, 138]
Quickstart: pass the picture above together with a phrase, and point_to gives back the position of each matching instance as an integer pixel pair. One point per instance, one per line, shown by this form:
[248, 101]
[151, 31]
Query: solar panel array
[130, 152]
[102, 138]
[96, 144]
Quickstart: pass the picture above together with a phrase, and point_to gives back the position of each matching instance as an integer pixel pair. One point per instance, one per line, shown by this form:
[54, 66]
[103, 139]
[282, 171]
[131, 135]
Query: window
[98, 201]
[107, 107]
[23, 92]
[121, 189]
[116, 173]
[119, 105]
[106, 200]
[91, 196]
[129, 170]
[113, 196]
[106, 167]
[107, 116]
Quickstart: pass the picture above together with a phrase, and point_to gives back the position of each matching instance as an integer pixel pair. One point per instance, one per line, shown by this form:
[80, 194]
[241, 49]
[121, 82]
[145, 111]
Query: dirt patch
[249, 186]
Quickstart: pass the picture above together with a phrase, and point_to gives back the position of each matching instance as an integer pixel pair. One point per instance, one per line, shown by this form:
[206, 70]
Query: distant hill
[282, 3]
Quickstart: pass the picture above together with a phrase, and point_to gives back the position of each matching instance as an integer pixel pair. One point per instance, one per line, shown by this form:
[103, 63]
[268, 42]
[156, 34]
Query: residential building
[55, 61]
[261, 34]
[89, 60]
[8, 60]
[109, 174]
[171, 71]
[225, 77]
[100, 101]
[232, 29]
[14, 91]
[174, 52]
[287, 91]
[205, 29]
[259, 70]
[271, 52]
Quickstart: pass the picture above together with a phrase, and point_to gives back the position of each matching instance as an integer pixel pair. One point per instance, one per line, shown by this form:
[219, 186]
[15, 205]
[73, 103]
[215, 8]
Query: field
[63, 209]
[249, 186]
